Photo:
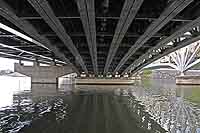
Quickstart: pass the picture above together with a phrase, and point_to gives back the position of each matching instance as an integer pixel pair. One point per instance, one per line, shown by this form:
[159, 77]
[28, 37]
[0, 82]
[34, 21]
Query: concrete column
[43, 74]
[53, 63]
[44, 89]
[36, 63]
[182, 73]
[20, 62]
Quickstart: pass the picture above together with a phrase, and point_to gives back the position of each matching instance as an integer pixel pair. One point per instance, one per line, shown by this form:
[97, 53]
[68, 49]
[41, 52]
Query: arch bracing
[172, 43]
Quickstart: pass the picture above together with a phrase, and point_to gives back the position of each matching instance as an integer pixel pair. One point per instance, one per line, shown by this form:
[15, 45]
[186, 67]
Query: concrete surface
[104, 81]
[188, 80]
[43, 74]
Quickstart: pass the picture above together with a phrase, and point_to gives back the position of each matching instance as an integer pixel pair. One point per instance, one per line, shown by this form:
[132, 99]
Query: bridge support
[43, 74]
[104, 81]
[188, 80]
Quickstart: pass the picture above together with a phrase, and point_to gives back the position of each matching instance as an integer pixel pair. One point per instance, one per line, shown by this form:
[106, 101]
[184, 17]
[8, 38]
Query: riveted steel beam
[87, 15]
[45, 11]
[7, 12]
[167, 15]
[177, 34]
[104, 17]
[127, 15]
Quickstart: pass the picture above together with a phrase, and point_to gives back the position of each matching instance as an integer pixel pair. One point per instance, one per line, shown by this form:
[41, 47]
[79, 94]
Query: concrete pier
[98, 81]
[43, 74]
[188, 80]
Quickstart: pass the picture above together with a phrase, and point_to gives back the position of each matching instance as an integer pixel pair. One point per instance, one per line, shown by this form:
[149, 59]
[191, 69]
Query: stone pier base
[44, 89]
[96, 81]
[188, 80]
[43, 74]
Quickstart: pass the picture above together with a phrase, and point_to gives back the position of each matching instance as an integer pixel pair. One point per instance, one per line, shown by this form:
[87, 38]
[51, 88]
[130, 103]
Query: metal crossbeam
[106, 17]
[127, 15]
[45, 11]
[7, 12]
[7, 55]
[87, 14]
[18, 34]
[169, 13]
[24, 51]
[177, 34]
[104, 34]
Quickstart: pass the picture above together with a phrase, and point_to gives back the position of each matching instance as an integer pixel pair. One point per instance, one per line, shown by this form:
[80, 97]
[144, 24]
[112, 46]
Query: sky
[6, 63]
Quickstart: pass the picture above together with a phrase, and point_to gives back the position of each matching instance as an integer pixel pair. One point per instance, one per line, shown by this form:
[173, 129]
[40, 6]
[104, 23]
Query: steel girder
[168, 14]
[159, 51]
[127, 15]
[87, 15]
[7, 12]
[45, 11]
[179, 33]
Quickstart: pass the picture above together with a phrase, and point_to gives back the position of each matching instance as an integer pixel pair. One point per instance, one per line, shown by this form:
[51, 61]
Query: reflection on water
[173, 107]
[148, 106]
[9, 85]
[82, 111]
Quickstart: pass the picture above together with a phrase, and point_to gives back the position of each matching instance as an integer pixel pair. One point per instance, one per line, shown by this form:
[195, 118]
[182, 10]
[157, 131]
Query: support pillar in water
[43, 74]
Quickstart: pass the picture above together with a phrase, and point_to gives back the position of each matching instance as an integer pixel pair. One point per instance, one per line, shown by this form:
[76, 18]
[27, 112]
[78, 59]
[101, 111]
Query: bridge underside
[97, 36]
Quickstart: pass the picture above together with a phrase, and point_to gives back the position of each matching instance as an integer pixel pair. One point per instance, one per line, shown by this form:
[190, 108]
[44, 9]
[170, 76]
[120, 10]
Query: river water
[149, 106]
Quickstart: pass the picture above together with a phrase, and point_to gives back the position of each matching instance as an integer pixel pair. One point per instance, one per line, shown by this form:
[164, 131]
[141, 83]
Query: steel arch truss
[186, 35]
